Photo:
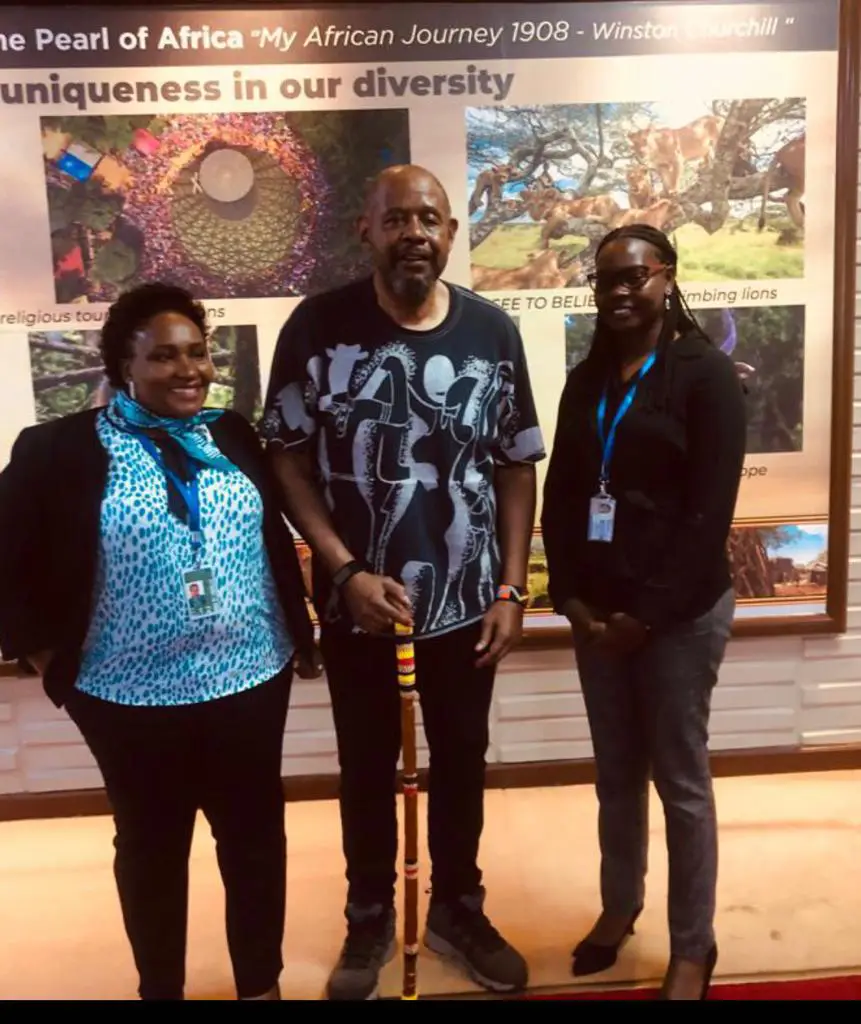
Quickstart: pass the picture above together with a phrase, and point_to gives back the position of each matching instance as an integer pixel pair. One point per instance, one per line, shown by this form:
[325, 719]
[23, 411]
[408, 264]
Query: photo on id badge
[199, 593]
[602, 513]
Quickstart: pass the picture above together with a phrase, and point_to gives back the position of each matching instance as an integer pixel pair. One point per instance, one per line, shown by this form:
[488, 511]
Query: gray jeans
[648, 715]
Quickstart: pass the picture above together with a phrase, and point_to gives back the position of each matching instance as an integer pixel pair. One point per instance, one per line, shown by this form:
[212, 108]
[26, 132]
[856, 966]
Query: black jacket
[674, 474]
[50, 511]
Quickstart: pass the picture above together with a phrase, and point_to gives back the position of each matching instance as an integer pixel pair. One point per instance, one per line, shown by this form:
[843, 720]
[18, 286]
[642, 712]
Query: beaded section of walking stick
[410, 787]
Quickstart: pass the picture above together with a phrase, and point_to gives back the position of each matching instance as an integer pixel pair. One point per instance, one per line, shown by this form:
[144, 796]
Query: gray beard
[411, 291]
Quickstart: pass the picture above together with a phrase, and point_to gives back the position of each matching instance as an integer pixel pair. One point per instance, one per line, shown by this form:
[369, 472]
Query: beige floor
[789, 898]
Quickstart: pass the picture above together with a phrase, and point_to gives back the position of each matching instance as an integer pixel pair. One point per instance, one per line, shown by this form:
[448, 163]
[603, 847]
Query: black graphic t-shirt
[407, 427]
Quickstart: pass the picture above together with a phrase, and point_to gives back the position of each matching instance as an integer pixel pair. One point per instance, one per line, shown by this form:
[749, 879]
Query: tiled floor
[789, 896]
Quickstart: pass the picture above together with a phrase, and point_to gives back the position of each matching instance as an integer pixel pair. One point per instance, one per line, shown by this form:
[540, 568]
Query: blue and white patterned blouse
[143, 648]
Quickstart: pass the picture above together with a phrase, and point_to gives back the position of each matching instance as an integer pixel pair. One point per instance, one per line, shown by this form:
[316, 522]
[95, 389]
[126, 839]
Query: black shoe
[711, 962]
[461, 932]
[369, 946]
[591, 958]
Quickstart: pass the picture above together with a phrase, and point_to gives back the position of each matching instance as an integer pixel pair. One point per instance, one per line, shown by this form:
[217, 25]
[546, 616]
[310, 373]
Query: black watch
[346, 573]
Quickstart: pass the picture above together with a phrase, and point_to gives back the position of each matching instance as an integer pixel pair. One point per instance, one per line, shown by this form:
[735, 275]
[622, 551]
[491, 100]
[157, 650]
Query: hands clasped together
[620, 633]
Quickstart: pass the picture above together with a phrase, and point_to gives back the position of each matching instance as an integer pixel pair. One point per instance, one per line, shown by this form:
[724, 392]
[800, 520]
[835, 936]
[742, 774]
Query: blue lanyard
[189, 492]
[608, 442]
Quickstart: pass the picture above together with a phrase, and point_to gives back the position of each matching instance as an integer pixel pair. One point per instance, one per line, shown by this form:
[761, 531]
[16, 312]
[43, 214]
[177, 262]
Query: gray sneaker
[369, 946]
[461, 932]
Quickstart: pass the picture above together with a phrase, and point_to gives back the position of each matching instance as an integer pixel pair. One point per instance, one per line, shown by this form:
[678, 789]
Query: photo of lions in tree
[725, 179]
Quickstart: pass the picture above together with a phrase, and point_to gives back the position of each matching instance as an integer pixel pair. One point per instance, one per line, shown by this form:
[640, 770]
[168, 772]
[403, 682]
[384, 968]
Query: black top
[50, 507]
[674, 474]
[407, 427]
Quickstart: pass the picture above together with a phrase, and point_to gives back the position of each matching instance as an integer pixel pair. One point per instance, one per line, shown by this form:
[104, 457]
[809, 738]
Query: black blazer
[50, 511]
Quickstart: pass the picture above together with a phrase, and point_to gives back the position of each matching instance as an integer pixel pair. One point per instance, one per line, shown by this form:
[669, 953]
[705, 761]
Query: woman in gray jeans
[638, 505]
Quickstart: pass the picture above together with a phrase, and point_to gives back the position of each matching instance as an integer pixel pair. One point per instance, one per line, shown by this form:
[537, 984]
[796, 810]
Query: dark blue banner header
[88, 37]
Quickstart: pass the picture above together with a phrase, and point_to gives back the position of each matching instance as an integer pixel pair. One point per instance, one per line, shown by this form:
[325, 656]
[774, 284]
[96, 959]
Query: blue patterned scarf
[187, 433]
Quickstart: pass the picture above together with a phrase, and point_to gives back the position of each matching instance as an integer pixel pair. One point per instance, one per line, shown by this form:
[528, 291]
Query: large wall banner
[226, 150]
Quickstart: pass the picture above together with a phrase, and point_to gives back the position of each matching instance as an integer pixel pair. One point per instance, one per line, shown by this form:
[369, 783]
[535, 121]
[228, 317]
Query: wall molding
[725, 764]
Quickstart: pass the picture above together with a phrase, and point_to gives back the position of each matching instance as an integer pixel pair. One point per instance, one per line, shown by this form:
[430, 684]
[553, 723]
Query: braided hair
[678, 318]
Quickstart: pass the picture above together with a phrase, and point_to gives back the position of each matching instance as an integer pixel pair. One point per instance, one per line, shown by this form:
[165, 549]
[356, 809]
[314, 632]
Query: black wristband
[346, 573]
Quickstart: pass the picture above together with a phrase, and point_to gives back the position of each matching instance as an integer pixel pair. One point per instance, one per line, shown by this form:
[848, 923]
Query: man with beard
[402, 427]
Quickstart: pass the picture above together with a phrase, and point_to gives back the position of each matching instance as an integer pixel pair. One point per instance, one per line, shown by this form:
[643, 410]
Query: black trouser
[160, 766]
[455, 704]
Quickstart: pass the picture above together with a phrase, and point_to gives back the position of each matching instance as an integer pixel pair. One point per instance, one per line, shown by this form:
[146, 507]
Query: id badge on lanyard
[602, 508]
[198, 581]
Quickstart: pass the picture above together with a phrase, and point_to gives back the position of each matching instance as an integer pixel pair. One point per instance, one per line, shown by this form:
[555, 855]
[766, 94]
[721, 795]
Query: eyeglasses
[632, 279]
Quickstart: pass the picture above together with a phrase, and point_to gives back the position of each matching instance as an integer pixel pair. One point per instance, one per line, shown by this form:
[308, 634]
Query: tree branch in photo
[65, 347]
[715, 184]
[90, 375]
[524, 161]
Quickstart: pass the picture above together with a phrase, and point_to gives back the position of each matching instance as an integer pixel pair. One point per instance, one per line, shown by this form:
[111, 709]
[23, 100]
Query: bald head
[405, 176]
[408, 226]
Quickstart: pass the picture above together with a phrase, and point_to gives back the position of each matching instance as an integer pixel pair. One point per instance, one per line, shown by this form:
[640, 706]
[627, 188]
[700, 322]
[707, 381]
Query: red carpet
[803, 988]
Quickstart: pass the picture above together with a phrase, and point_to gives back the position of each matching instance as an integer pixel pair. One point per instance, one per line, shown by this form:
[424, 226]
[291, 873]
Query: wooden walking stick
[410, 788]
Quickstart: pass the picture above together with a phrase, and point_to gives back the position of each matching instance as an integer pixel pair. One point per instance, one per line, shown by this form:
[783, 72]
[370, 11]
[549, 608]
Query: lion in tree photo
[724, 178]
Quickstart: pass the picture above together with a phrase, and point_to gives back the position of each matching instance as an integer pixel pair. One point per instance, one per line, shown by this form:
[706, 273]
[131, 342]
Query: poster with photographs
[227, 151]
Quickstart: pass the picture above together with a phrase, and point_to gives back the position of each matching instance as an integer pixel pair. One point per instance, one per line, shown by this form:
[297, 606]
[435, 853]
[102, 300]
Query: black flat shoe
[711, 961]
[592, 958]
